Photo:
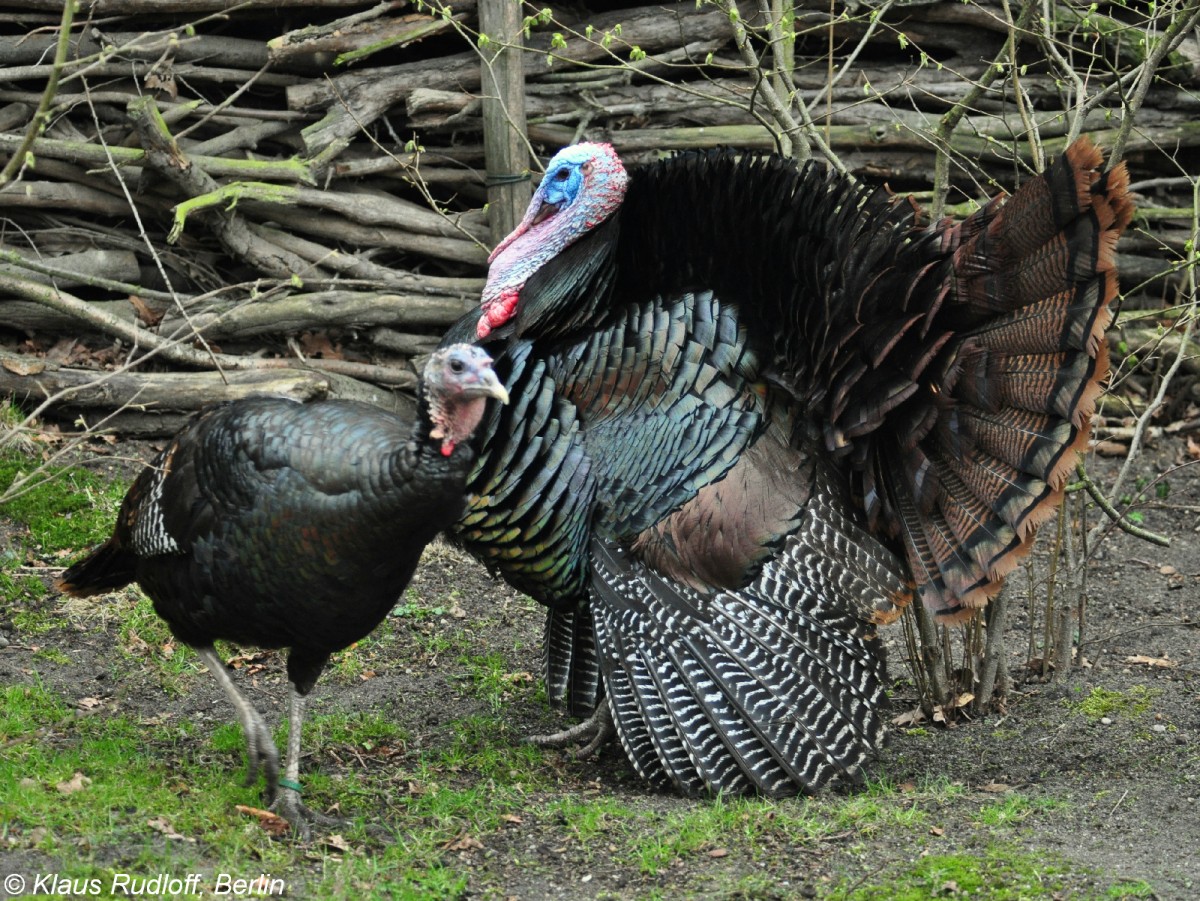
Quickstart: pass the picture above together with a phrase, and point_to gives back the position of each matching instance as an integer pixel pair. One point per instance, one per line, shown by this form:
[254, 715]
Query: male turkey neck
[584, 184]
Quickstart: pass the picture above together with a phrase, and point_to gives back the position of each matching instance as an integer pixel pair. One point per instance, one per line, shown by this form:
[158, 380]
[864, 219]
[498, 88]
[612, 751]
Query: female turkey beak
[487, 385]
[460, 379]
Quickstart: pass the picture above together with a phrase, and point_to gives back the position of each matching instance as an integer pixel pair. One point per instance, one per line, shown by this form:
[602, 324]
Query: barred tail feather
[1031, 282]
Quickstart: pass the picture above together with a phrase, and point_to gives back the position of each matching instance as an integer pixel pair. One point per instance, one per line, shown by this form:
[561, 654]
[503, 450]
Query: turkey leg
[260, 746]
[288, 804]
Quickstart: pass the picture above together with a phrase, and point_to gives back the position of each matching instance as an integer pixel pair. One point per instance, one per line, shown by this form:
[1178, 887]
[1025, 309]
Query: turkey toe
[597, 730]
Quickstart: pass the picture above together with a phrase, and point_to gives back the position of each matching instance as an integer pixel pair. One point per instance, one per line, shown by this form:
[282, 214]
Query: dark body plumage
[754, 410]
[278, 524]
[274, 523]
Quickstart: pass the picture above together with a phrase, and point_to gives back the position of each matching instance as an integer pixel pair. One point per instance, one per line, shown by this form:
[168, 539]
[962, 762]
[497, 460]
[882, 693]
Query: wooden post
[504, 136]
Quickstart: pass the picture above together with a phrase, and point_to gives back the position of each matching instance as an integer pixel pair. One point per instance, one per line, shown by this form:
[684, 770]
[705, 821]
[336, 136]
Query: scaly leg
[260, 746]
[597, 730]
[288, 804]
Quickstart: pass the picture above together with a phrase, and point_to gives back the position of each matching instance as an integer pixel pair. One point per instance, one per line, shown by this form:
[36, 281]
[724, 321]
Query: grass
[491, 680]
[26, 597]
[160, 793]
[138, 781]
[754, 828]
[365, 730]
[1000, 873]
[125, 780]
[472, 789]
[357, 662]
[1013, 808]
[413, 607]
[1103, 702]
[1132, 889]
[69, 511]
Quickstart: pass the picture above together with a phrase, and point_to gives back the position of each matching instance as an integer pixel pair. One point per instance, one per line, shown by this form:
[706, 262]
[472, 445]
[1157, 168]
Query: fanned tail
[982, 456]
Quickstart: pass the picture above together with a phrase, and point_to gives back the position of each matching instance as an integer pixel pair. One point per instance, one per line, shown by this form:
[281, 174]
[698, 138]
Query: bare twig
[1122, 522]
[42, 115]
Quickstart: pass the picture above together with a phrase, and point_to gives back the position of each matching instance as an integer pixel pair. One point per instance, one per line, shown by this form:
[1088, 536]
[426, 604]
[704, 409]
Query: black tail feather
[107, 568]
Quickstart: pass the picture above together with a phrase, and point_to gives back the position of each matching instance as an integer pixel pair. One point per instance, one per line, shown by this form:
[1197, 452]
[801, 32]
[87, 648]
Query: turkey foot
[300, 816]
[597, 730]
[287, 804]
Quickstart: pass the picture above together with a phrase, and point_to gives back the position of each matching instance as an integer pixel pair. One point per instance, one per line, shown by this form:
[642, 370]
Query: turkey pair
[755, 409]
[279, 524]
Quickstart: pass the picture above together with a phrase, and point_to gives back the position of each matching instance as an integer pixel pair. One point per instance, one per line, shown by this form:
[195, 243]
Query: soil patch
[1103, 796]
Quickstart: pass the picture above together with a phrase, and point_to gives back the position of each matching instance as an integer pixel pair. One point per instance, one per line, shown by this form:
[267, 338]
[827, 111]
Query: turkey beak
[545, 212]
[489, 386]
[537, 212]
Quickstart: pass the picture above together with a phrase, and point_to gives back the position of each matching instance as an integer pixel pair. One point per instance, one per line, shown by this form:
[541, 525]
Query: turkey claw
[301, 817]
[597, 730]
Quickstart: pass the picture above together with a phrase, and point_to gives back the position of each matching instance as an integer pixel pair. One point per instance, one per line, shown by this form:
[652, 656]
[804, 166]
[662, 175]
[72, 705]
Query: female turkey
[279, 524]
[755, 408]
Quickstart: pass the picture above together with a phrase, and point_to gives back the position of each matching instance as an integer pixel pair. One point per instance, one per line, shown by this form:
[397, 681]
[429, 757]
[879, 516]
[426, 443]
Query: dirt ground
[1122, 792]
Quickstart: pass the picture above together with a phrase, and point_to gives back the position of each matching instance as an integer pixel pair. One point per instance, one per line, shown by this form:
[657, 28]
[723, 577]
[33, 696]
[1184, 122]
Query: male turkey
[279, 524]
[754, 409]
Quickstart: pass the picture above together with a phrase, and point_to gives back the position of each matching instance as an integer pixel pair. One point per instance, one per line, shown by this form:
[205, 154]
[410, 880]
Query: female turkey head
[457, 381]
[583, 185]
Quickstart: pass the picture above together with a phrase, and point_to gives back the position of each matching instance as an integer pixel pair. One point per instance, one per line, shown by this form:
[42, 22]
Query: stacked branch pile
[291, 196]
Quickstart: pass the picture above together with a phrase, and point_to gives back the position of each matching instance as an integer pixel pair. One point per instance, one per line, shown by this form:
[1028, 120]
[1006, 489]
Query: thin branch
[1123, 523]
[949, 121]
[873, 23]
[1180, 24]
[791, 134]
[42, 116]
[1050, 46]
[1143, 421]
